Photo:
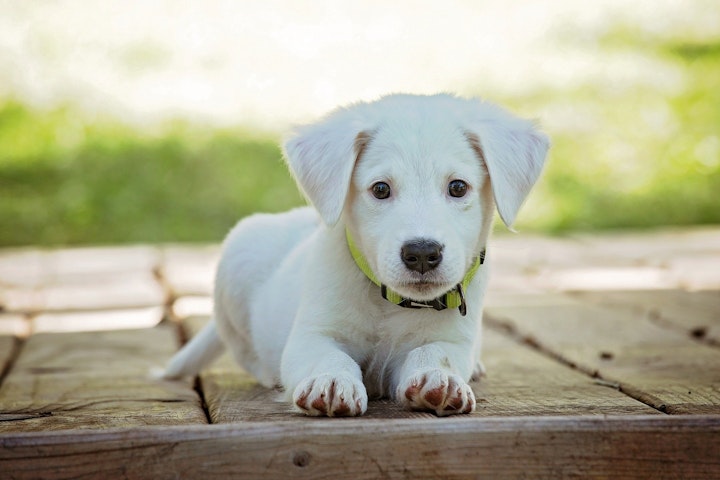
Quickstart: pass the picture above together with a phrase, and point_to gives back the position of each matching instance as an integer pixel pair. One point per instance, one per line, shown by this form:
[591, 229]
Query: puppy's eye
[381, 190]
[457, 188]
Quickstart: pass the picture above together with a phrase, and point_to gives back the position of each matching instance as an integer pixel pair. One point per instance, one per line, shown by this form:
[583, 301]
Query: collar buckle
[455, 298]
[461, 293]
[440, 303]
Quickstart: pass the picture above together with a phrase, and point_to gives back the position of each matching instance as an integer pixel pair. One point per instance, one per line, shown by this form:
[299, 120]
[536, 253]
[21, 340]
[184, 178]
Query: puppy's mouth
[424, 289]
[424, 285]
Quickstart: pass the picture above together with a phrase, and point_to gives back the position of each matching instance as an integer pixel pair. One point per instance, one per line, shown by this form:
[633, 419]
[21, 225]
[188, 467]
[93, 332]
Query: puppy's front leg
[429, 380]
[323, 379]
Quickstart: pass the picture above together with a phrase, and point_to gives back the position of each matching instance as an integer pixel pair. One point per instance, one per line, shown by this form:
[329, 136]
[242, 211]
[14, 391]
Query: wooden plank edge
[12, 347]
[512, 447]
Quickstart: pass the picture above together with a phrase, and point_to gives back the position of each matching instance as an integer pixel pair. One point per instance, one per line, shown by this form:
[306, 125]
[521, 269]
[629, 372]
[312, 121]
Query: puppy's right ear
[322, 157]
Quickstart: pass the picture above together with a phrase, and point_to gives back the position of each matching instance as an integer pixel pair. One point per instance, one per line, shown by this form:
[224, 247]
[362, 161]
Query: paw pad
[329, 396]
[437, 391]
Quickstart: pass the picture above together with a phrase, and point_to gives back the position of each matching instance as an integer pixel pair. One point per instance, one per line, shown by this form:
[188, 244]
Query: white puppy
[378, 290]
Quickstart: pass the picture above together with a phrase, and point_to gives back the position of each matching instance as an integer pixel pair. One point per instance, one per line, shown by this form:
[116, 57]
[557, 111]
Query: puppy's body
[414, 181]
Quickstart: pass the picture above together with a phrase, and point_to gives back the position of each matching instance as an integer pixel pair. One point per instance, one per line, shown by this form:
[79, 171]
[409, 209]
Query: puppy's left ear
[514, 153]
[322, 157]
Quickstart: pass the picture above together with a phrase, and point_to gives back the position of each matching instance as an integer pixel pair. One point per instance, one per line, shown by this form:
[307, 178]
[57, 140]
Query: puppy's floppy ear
[322, 157]
[514, 153]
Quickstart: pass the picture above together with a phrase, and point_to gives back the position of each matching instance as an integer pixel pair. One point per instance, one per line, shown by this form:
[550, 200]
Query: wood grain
[78, 279]
[520, 382]
[659, 366]
[95, 380]
[658, 447]
[7, 349]
[696, 314]
[579, 385]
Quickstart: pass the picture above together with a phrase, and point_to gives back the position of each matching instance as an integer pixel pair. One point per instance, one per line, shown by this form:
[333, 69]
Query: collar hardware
[455, 298]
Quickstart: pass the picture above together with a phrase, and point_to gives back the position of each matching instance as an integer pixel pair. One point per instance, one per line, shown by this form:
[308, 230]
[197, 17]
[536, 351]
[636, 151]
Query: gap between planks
[664, 368]
[95, 380]
[695, 314]
[183, 337]
[521, 382]
[15, 347]
[512, 332]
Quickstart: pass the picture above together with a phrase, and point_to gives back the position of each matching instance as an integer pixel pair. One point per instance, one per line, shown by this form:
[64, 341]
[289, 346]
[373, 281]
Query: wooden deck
[603, 357]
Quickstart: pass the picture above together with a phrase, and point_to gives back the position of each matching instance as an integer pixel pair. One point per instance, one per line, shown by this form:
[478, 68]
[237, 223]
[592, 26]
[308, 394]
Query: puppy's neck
[455, 298]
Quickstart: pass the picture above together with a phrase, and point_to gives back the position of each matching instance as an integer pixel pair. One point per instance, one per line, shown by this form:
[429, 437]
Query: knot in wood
[301, 459]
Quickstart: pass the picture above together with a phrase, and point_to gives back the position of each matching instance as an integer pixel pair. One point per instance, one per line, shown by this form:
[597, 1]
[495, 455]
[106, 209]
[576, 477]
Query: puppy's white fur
[294, 308]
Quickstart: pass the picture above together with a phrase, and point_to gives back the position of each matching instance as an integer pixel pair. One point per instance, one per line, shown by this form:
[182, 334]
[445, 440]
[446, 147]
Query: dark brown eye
[381, 190]
[457, 188]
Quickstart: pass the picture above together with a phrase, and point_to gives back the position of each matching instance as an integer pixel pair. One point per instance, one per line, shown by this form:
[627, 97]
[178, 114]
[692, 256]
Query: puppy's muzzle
[421, 255]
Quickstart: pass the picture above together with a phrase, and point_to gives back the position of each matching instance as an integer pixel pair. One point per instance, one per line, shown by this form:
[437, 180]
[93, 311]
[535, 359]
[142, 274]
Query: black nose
[421, 255]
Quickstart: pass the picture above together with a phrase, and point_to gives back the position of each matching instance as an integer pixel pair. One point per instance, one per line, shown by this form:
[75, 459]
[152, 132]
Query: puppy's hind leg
[198, 353]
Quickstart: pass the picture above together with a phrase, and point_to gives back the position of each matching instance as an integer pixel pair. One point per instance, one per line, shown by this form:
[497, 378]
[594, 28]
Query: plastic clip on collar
[455, 298]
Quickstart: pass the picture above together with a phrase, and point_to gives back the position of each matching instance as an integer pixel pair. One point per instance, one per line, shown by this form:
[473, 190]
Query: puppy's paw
[331, 395]
[437, 391]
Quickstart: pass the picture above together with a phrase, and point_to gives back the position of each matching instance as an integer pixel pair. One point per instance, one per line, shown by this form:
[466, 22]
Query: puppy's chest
[377, 371]
[400, 328]
[387, 343]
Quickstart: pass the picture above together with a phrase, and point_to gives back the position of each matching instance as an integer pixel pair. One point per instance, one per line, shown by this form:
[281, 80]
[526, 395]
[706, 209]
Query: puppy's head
[416, 180]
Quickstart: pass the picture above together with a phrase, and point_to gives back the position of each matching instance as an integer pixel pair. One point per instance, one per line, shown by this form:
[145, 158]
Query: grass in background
[65, 182]
[625, 156]
[633, 156]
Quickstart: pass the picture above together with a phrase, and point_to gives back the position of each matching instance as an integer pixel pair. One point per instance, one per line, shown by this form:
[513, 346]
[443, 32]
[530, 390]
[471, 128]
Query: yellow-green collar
[455, 298]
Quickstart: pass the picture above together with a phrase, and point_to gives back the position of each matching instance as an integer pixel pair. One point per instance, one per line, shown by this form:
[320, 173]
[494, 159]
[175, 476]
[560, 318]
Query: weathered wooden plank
[22, 266]
[652, 246]
[67, 264]
[688, 258]
[192, 306]
[92, 292]
[34, 267]
[233, 395]
[701, 272]
[79, 279]
[190, 270]
[95, 380]
[86, 321]
[697, 314]
[496, 298]
[7, 345]
[14, 324]
[520, 382]
[521, 263]
[659, 447]
[604, 277]
[20, 299]
[662, 368]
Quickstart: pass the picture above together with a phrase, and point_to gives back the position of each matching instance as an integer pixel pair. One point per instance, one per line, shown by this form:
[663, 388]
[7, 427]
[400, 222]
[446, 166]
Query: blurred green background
[65, 182]
[624, 155]
[634, 157]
